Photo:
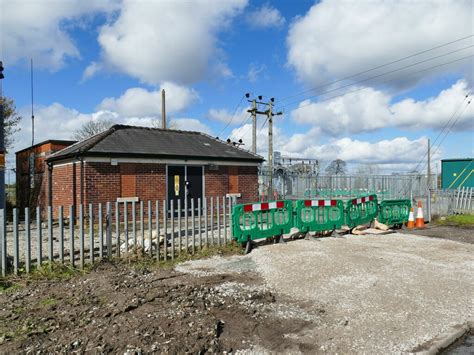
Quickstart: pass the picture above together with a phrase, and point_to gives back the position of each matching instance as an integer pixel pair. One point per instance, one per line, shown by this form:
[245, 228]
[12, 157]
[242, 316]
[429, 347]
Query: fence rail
[161, 230]
[444, 202]
[292, 185]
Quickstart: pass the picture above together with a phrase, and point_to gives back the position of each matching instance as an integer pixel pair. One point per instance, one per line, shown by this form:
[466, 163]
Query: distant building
[456, 173]
[127, 163]
[31, 172]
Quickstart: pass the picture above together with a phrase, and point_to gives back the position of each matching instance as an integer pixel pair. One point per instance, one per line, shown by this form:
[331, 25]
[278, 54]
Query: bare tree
[367, 169]
[170, 124]
[336, 167]
[11, 121]
[91, 128]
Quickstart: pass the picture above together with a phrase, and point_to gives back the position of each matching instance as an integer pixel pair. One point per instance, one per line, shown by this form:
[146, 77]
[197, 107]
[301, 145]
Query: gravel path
[376, 294]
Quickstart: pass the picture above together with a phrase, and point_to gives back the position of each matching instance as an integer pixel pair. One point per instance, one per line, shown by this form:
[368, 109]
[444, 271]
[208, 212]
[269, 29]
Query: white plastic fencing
[445, 202]
[99, 230]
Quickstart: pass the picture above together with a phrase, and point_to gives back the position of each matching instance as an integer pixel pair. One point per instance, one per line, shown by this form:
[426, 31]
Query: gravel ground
[355, 294]
[375, 294]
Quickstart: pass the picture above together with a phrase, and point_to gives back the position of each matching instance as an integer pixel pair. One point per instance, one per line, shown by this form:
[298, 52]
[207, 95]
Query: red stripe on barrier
[280, 204]
[371, 198]
[333, 203]
[320, 203]
[354, 202]
[307, 203]
[362, 199]
[248, 208]
[264, 206]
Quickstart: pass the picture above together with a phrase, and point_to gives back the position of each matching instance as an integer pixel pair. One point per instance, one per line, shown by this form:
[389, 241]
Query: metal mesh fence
[296, 185]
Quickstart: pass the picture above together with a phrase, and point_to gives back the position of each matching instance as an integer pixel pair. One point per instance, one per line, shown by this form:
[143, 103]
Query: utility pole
[270, 115]
[270, 148]
[163, 109]
[428, 183]
[32, 111]
[253, 112]
[428, 173]
[2, 146]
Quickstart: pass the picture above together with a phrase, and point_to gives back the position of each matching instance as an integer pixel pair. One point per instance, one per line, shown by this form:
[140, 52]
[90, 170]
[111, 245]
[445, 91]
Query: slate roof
[144, 142]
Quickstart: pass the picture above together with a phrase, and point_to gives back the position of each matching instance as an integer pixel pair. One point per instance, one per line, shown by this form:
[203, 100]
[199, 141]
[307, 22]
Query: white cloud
[382, 152]
[140, 102]
[168, 40]
[55, 122]
[336, 39]
[265, 16]
[369, 109]
[307, 145]
[255, 71]
[36, 29]
[222, 115]
[92, 69]
[191, 124]
[59, 122]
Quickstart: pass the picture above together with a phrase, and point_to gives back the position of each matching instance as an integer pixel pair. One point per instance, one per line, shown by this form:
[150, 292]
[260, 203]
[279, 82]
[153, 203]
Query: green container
[319, 215]
[261, 220]
[394, 212]
[361, 210]
[457, 173]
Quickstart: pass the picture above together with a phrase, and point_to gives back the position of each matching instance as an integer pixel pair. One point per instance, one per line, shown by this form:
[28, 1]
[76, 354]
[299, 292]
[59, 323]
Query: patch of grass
[142, 262]
[56, 271]
[461, 220]
[137, 260]
[6, 285]
[47, 271]
[48, 302]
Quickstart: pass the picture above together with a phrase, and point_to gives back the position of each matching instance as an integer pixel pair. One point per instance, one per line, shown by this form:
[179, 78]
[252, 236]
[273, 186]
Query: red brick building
[31, 172]
[139, 163]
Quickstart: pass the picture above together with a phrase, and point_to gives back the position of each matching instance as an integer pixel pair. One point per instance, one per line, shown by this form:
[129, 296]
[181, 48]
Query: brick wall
[103, 183]
[216, 181]
[38, 195]
[248, 183]
[151, 181]
[66, 187]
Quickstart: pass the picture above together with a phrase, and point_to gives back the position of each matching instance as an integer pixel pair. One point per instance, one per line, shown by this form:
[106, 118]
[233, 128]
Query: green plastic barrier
[261, 220]
[319, 215]
[394, 212]
[361, 210]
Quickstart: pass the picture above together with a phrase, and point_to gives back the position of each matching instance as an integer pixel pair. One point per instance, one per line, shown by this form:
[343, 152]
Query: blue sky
[108, 59]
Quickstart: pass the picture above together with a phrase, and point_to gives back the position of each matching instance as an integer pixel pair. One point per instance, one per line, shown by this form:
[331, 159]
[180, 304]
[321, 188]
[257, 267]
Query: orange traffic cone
[411, 220]
[420, 221]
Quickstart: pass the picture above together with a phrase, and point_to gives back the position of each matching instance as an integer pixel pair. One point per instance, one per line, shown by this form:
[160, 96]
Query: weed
[460, 220]
[48, 302]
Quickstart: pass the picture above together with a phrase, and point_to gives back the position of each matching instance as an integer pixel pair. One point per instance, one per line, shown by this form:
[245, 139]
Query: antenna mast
[32, 112]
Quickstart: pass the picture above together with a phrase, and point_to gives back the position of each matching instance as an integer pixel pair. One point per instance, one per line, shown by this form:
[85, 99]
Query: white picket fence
[112, 229]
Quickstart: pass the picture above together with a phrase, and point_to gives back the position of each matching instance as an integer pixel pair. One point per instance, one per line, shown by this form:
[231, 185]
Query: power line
[379, 75]
[233, 114]
[442, 130]
[448, 131]
[375, 68]
[358, 89]
[405, 190]
[382, 82]
[242, 125]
